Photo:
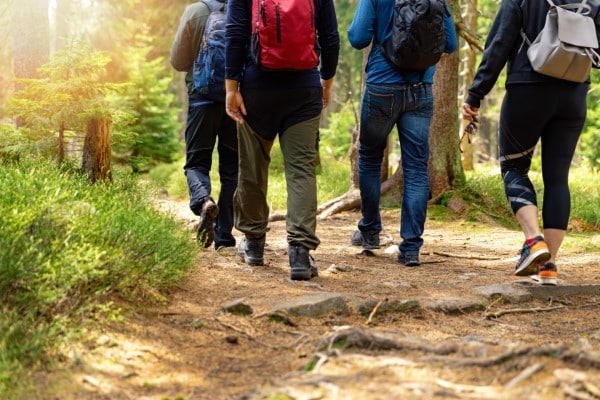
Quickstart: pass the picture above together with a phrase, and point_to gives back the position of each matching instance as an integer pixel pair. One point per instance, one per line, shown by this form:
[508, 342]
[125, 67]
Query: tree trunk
[61, 143]
[469, 64]
[445, 169]
[96, 149]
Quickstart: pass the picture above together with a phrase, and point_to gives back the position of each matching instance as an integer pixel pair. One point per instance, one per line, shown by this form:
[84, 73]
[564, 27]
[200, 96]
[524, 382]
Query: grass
[332, 179]
[67, 250]
[483, 192]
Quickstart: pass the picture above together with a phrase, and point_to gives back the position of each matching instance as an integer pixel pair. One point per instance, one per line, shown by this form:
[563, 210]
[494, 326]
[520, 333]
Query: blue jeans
[205, 123]
[409, 107]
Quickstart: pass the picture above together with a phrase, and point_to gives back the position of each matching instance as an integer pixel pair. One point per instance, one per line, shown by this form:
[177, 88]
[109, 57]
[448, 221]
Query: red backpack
[284, 35]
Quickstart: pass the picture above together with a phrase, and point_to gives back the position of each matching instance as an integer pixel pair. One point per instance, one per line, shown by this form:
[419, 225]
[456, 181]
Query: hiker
[400, 97]
[206, 122]
[535, 107]
[279, 91]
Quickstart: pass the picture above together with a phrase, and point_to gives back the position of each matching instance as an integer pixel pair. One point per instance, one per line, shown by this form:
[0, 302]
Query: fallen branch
[373, 312]
[469, 257]
[500, 313]
[525, 374]
[245, 334]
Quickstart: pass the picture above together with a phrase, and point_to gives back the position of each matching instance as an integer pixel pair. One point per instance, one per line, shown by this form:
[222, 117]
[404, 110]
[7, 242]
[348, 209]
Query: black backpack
[209, 67]
[418, 38]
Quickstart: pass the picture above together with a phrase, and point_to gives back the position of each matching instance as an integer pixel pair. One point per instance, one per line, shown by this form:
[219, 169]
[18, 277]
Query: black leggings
[554, 112]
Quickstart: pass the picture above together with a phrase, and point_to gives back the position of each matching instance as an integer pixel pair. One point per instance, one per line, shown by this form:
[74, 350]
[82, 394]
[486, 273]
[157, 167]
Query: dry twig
[373, 312]
[468, 257]
[500, 313]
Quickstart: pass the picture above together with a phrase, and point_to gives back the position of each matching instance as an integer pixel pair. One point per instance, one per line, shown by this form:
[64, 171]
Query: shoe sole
[206, 233]
[410, 264]
[303, 274]
[548, 281]
[366, 246]
[256, 262]
[530, 264]
[545, 281]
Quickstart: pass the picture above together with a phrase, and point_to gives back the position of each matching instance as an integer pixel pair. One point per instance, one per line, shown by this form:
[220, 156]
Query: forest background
[64, 63]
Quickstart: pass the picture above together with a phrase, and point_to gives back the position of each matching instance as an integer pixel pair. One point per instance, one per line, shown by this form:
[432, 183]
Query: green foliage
[589, 144]
[332, 179]
[350, 68]
[155, 126]
[67, 248]
[484, 192]
[336, 139]
[67, 95]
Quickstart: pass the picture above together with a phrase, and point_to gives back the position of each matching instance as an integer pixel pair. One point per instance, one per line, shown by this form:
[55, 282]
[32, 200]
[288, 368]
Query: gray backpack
[565, 47]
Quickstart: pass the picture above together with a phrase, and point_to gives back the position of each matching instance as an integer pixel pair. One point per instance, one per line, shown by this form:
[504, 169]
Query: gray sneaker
[366, 240]
[301, 263]
[251, 251]
[409, 259]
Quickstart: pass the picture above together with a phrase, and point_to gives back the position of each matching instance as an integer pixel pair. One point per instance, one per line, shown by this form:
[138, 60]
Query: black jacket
[505, 45]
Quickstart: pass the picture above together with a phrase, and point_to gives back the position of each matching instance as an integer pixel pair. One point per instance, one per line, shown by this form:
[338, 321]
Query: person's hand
[234, 106]
[469, 112]
[234, 102]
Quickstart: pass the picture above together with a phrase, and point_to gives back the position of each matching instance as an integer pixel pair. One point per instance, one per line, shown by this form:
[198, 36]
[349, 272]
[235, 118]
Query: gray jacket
[505, 46]
[188, 39]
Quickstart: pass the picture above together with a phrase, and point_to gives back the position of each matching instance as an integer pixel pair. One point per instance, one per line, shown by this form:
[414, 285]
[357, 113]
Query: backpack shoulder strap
[580, 8]
[214, 5]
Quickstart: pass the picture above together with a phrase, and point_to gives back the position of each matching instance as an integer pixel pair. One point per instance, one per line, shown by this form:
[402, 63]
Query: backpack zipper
[278, 20]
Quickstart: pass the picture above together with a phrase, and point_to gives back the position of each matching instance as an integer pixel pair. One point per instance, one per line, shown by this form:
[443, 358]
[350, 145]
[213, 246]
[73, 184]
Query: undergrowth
[67, 249]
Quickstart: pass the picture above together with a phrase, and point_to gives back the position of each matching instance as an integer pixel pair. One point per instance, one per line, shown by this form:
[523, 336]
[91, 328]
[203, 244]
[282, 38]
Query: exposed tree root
[359, 338]
[363, 339]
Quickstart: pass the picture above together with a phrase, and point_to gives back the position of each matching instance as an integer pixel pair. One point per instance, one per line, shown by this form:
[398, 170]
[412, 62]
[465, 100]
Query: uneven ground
[189, 348]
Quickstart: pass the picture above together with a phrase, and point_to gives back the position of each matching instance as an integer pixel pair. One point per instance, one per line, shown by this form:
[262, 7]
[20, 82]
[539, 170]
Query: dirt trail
[190, 349]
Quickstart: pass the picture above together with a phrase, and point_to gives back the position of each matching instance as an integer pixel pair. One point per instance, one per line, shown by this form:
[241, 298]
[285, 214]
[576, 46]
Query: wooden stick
[442, 253]
[500, 313]
[373, 311]
[525, 374]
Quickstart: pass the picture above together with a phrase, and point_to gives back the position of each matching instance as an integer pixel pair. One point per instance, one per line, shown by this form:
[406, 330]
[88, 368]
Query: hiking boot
[409, 259]
[251, 251]
[366, 240]
[548, 274]
[301, 263]
[532, 255]
[206, 227]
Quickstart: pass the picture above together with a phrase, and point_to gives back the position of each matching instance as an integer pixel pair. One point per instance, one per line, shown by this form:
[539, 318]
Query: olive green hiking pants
[250, 208]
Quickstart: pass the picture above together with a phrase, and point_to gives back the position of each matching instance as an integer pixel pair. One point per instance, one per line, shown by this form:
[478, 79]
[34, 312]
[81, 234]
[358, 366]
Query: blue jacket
[505, 45]
[373, 23]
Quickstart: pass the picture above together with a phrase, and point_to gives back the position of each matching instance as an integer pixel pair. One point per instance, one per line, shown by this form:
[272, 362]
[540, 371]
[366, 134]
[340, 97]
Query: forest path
[398, 332]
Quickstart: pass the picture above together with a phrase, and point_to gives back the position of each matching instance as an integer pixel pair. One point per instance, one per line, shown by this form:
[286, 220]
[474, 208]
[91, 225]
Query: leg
[228, 172]
[413, 130]
[200, 136]
[201, 131]
[379, 111]
[521, 124]
[300, 155]
[559, 141]
[250, 209]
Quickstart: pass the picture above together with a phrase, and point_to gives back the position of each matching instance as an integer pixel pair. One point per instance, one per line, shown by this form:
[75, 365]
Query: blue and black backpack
[209, 67]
